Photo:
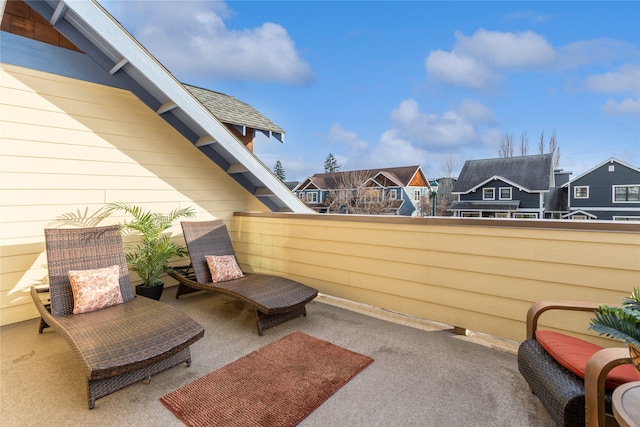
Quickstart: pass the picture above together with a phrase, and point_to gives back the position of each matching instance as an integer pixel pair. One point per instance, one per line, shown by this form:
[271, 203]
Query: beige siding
[465, 274]
[70, 147]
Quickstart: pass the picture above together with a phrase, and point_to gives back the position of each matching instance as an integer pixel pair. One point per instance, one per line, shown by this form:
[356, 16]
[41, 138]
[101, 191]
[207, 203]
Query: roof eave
[128, 56]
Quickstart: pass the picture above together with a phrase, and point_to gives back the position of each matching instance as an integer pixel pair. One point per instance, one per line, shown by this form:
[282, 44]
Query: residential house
[392, 191]
[609, 191]
[506, 187]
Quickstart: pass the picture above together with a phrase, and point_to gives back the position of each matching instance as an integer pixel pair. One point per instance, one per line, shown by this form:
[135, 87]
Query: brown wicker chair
[118, 345]
[569, 399]
[275, 299]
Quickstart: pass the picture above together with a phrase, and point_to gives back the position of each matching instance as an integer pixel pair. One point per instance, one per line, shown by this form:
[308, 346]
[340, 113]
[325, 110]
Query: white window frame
[505, 188]
[627, 193]
[580, 187]
[626, 218]
[523, 215]
[311, 197]
[417, 194]
[393, 194]
[485, 192]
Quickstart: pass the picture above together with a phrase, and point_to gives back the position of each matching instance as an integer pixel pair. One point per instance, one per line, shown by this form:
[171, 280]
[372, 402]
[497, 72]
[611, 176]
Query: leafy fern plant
[150, 257]
[622, 322]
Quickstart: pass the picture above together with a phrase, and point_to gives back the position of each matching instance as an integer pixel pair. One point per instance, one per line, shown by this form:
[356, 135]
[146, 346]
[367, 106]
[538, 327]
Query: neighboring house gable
[508, 187]
[399, 188]
[609, 191]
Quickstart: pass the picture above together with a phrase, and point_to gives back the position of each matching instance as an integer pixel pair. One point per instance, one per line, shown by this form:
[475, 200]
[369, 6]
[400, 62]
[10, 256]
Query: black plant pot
[153, 292]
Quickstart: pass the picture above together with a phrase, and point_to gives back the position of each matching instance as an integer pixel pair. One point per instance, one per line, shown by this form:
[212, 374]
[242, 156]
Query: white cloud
[451, 68]
[476, 61]
[338, 134]
[524, 50]
[587, 52]
[437, 131]
[192, 40]
[625, 107]
[625, 79]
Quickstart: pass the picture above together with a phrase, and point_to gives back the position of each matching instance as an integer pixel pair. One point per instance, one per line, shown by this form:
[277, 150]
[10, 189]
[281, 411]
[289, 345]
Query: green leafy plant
[622, 322]
[150, 257]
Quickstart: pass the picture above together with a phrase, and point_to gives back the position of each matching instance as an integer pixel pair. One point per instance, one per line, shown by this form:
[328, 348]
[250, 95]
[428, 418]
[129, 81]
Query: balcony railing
[480, 275]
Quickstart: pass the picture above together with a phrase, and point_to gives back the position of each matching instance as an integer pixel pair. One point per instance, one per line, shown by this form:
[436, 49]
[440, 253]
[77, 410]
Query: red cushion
[573, 353]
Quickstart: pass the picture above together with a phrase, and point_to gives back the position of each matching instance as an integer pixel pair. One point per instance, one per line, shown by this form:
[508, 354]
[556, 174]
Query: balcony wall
[480, 275]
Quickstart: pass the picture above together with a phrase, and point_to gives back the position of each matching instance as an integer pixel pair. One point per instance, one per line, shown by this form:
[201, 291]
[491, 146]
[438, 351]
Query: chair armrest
[597, 369]
[540, 307]
[42, 309]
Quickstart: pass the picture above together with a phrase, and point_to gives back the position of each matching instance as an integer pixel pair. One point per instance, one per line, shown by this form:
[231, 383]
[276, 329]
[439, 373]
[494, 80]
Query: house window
[525, 215]
[505, 193]
[626, 193]
[612, 168]
[393, 194]
[626, 218]
[488, 194]
[581, 192]
[372, 195]
[416, 195]
[312, 197]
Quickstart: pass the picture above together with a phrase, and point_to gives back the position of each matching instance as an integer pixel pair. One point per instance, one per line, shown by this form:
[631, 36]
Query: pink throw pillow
[223, 268]
[95, 289]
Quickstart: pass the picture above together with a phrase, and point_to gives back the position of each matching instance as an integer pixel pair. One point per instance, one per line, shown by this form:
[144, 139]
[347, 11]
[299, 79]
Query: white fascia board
[110, 30]
[499, 178]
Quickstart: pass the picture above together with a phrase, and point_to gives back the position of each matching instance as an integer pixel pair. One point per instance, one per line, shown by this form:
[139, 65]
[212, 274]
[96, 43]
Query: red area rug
[277, 385]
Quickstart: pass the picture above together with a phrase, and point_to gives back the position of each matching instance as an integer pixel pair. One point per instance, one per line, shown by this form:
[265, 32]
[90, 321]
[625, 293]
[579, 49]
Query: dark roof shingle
[532, 173]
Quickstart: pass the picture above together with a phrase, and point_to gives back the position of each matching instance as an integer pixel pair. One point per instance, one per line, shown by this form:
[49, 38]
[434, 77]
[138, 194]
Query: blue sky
[384, 84]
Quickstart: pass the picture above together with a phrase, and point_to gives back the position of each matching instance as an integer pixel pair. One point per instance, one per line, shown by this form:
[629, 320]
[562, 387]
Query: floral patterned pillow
[223, 268]
[95, 289]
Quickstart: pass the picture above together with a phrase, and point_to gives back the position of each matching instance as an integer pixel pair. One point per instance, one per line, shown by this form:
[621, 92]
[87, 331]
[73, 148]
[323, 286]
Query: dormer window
[505, 193]
[488, 194]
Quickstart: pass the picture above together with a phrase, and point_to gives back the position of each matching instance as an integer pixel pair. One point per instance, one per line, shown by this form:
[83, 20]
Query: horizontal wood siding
[482, 278]
[70, 147]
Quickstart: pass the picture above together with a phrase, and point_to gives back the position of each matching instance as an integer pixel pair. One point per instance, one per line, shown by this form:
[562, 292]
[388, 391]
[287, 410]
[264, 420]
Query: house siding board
[440, 270]
[600, 182]
[73, 154]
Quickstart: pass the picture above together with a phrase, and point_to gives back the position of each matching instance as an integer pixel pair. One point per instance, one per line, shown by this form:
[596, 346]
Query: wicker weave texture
[118, 345]
[560, 390]
[276, 298]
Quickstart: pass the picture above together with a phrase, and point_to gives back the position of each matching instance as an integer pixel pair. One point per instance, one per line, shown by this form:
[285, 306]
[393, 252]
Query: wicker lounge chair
[275, 299]
[569, 399]
[121, 344]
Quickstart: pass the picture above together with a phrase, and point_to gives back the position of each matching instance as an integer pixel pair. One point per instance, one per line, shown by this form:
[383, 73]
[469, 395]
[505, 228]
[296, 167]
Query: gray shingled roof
[532, 173]
[230, 110]
[401, 175]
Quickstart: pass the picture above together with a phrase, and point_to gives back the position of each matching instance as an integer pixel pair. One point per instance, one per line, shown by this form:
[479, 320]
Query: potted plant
[621, 323]
[149, 257]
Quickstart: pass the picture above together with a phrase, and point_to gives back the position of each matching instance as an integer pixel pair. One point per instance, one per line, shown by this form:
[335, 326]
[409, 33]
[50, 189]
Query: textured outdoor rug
[277, 385]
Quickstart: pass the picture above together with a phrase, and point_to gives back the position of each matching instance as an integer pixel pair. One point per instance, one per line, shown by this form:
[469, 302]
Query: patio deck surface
[423, 375]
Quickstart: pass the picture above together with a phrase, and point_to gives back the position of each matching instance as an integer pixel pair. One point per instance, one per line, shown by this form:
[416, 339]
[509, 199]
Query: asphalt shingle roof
[230, 110]
[532, 173]
[401, 175]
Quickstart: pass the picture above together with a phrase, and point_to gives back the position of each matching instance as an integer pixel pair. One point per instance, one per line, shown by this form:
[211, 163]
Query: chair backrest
[206, 238]
[82, 249]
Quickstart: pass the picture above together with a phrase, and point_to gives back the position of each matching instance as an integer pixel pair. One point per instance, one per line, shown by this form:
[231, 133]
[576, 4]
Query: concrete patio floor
[423, 374]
